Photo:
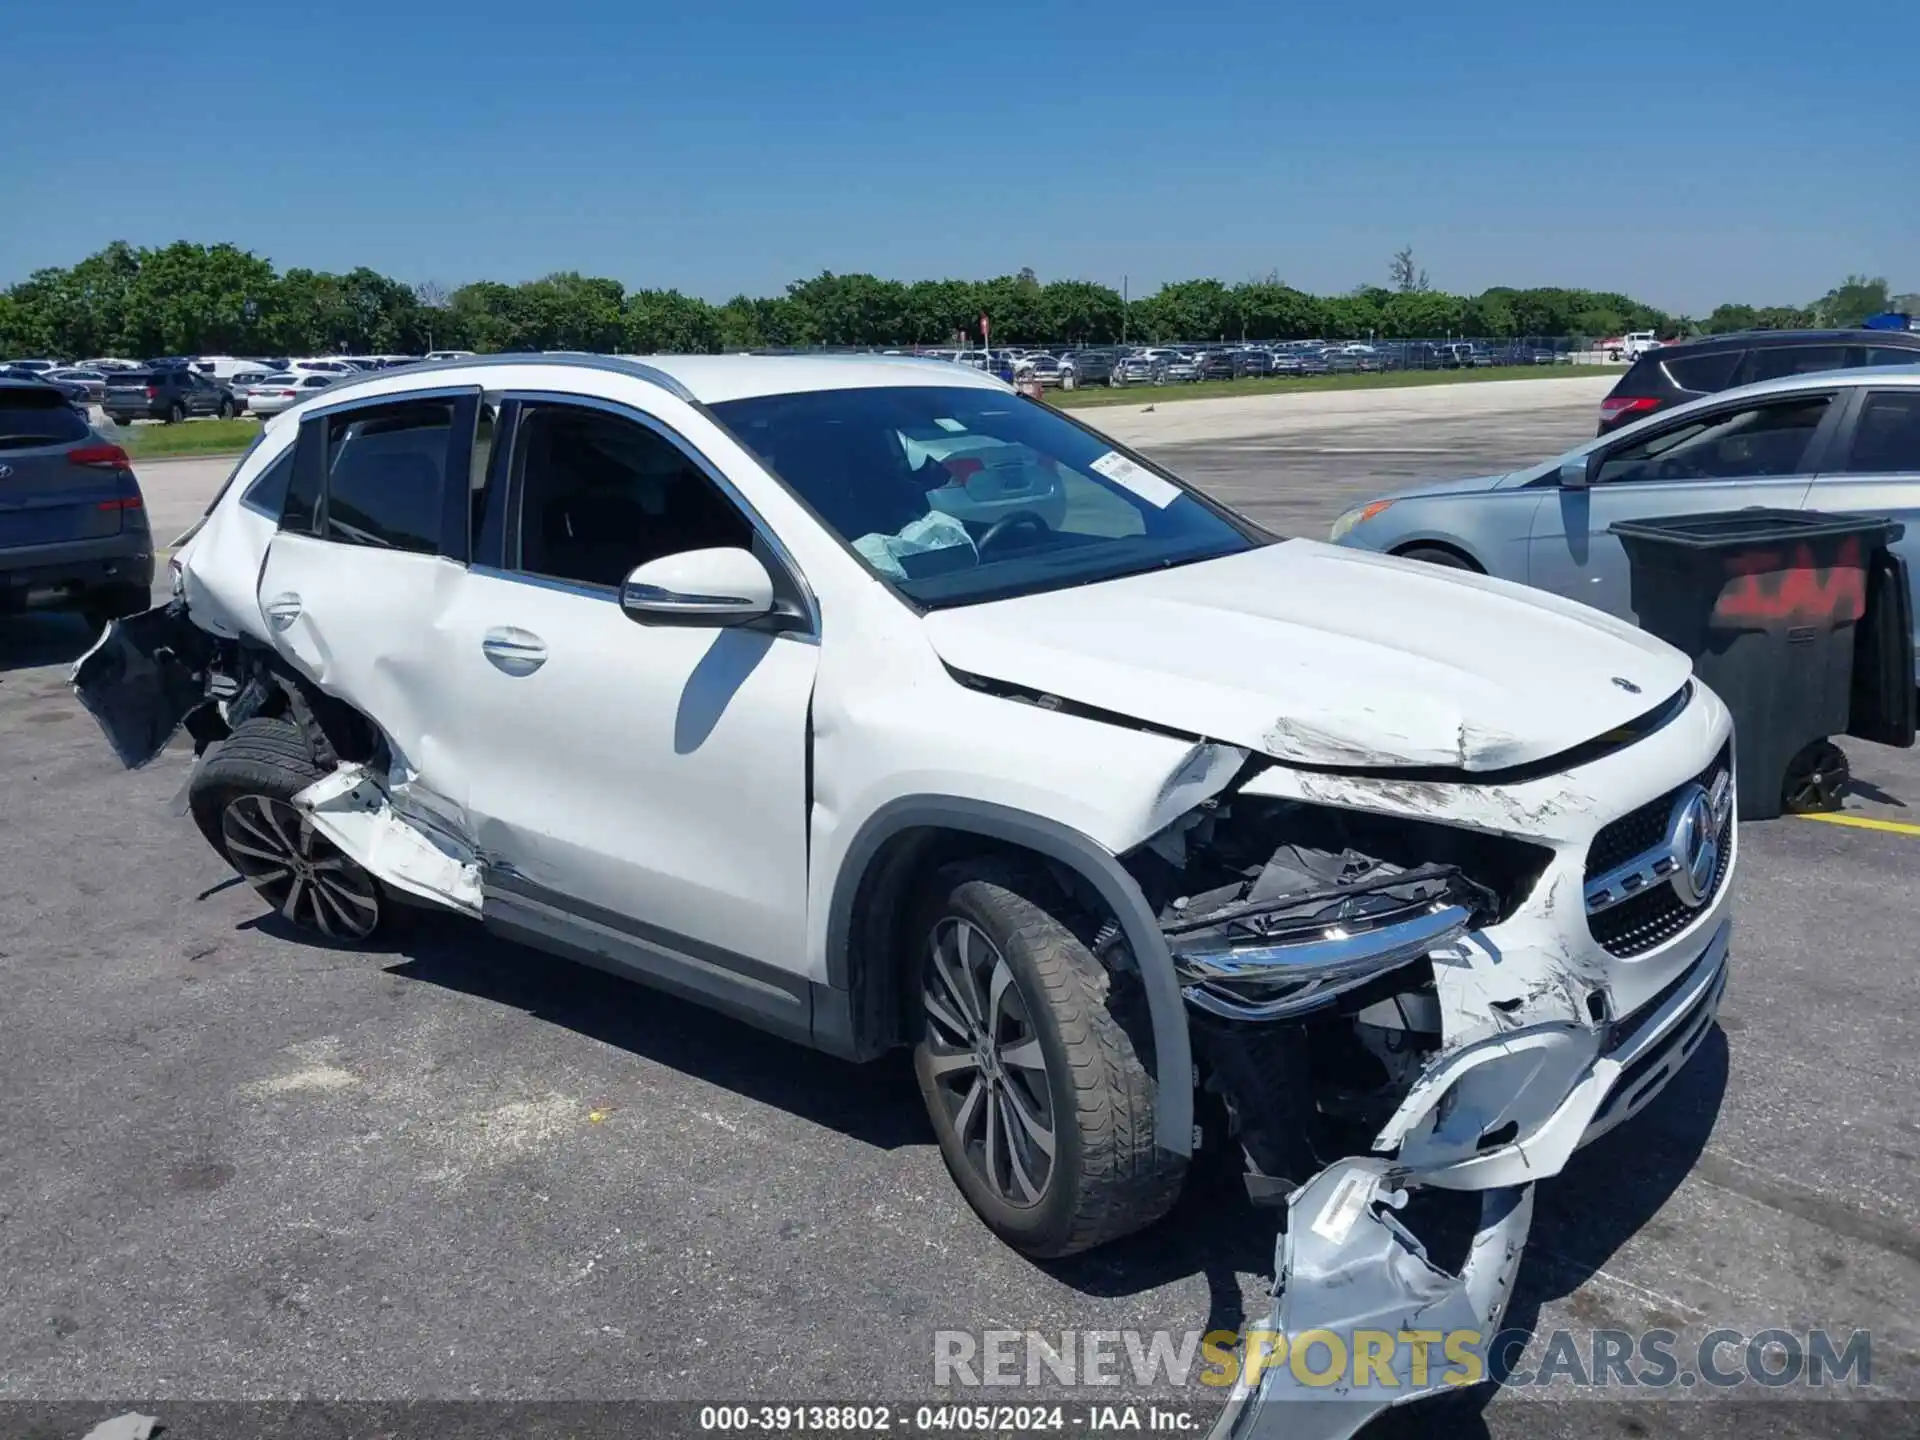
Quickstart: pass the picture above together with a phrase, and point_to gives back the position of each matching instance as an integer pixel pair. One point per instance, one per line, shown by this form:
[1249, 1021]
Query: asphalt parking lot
[236, 1164]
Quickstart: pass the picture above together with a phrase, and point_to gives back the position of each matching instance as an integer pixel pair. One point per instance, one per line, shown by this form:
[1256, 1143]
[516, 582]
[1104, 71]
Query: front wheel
[225, 411]
[176, 412]
[1043, 1108]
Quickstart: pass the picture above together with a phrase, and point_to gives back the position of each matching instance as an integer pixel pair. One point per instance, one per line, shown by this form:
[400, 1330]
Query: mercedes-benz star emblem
[1626, 684]
[1696, 849]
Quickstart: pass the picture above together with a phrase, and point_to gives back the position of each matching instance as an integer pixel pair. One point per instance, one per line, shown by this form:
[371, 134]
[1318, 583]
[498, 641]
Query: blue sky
[1687, 152]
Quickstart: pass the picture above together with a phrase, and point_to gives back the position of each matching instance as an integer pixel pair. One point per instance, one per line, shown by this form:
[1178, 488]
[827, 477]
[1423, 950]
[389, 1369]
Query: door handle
[283, 609]
[514, 651]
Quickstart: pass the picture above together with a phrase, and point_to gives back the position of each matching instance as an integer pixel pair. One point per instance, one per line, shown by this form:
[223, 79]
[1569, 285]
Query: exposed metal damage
[1391, 990]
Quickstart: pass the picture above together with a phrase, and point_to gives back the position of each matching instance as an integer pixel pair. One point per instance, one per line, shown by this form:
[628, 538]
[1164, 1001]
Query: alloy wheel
[985, 1058]
[297, 870]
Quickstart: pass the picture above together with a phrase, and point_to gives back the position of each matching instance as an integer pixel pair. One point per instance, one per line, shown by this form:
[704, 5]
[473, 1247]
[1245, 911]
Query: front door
[1762, 453]
[620, 771]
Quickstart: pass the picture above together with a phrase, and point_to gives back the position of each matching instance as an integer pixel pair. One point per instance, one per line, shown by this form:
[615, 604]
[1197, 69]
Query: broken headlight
[1311, 925]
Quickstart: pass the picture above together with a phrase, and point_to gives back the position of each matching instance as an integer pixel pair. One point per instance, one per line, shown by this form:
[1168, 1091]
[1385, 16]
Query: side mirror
[1579, 472]
[725, 586]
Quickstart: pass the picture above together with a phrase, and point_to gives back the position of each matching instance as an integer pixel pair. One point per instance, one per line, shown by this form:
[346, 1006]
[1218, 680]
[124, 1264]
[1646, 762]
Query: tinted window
[268, 492]
[600, 494]
[1757, 440]
[1887, 436]
[1703, 373]
[962, 494]
[37, 417]
[1770, 362]
[384, 470]
[1889, 355]
[130, 380]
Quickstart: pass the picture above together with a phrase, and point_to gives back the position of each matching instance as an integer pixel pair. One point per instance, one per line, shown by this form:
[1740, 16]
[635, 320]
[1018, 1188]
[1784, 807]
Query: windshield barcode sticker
[1137, 478]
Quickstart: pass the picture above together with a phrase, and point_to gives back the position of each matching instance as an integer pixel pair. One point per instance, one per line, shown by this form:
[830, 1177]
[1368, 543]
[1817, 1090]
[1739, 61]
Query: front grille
[1656, 915]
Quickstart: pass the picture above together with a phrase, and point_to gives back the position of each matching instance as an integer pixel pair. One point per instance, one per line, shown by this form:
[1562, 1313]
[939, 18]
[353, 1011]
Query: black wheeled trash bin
[1800, 621]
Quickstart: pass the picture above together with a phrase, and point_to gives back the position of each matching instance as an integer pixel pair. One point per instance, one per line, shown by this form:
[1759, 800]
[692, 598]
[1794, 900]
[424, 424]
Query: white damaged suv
[879, 706]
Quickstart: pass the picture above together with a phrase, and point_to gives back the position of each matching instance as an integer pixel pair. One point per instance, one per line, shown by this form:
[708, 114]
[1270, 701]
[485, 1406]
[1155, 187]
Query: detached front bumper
[1362, 1319]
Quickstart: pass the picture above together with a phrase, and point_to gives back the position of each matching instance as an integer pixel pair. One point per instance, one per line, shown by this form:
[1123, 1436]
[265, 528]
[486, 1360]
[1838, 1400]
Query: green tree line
[188, 298]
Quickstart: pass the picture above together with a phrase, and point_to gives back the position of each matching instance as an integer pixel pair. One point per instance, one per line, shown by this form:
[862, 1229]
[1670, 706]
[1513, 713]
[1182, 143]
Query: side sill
[735, 985]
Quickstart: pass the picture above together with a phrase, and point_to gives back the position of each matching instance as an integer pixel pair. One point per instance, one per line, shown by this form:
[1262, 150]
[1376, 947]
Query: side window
[1703, 373]
[1888, 355]
[1771, 362]
[268, 492]
[384, 471]
[1732, 444]
[1887, 437]
[600, 494]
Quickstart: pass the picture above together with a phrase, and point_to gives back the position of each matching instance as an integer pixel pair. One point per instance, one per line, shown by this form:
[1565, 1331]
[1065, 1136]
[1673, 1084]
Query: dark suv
[73, 528]
[1675, 374]
[169, 394]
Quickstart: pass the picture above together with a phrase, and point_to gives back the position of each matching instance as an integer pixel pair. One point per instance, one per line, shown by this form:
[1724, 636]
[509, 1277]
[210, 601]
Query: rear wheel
[226, 410]
[176, 412]
[1439, 555]
[1043, 1109]
[241, 796]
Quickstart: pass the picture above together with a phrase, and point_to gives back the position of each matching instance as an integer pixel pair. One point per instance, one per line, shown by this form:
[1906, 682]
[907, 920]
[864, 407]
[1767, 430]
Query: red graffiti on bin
[1767, 588]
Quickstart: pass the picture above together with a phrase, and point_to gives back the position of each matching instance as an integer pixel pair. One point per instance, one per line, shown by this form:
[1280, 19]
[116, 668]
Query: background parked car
[32, 367]
[1674, 374]
[95, 381]
[1043, 368]
[73, 528]
[279, 392]
[71, 391]
[1844, 441]
[1087, 367]
[172, 393]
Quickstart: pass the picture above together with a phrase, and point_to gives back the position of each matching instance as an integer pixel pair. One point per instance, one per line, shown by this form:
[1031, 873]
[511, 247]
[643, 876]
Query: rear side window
[384, 473]
[30, 418]
[268, 492]
[1703, 374]
[1889, 355]
[1771, 362]
[1887, 437]
[1643, 377]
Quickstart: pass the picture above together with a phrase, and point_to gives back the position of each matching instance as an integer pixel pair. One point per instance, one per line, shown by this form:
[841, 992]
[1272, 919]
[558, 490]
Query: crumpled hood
[1322, 655]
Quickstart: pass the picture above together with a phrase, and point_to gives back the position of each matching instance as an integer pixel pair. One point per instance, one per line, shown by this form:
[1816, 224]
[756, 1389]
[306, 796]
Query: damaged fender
[356, 811]
[1351, 1282]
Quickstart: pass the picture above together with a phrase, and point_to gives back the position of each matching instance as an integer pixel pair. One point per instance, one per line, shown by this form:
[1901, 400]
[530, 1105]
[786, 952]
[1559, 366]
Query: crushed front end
[1404, 986]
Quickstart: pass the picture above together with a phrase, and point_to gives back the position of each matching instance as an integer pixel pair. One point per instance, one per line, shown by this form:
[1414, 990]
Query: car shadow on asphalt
[876, 1104]
[51, 638]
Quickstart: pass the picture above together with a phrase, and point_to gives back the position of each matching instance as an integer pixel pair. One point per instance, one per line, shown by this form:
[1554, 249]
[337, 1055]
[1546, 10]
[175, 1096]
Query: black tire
[176, 412]
[1439, 555]
[114, 602]
[1817, 779]
[266, 762]
[1105, 1177]
[225, 411]
[121, 419]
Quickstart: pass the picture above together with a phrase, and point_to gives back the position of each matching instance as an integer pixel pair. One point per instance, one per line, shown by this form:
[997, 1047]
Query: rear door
[1875, 468]
[369, 549]
[1762, 452]
[57, 483]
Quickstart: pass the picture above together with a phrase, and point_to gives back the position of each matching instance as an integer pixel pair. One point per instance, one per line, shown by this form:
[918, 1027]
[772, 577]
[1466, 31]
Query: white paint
[1326, 656]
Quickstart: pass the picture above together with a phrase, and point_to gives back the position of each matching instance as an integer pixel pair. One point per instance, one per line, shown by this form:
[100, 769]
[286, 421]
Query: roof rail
[637, 369]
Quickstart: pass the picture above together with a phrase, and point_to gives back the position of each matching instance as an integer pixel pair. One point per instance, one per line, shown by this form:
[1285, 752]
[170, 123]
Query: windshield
[964, 494]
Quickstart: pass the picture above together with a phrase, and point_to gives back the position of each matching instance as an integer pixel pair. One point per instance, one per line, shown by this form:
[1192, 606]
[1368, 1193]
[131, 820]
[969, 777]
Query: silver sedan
[1847, 440]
